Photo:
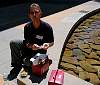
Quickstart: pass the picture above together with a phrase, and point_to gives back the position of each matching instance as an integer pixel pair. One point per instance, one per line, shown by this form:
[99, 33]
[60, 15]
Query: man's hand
[45, 46]
[29, 45]
[35, 47]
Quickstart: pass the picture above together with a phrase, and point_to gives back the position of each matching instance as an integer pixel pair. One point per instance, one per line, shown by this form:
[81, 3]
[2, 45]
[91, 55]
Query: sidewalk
[62, 23]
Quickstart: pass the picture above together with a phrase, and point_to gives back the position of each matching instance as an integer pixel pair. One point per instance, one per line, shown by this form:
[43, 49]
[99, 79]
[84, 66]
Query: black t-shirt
[43, 34]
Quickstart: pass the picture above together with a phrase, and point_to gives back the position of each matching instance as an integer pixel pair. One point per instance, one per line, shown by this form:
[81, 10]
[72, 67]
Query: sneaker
[23, 73]
[11, 76]
[13, 73]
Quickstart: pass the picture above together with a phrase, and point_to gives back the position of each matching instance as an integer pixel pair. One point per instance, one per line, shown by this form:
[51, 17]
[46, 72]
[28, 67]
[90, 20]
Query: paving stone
[84, 75]
[98, 53]
[86, 23]
[87, 41]
[94, 79]
[95, 17]
[71, 60]
[79, 68]
[95, 47]
[88, 30]
[93, 55]
[81, 27]
[86, 50]
[68, 66]
[71, 46]
[93, 62]
[79, 30]
[68, 53]
[84, 46]
[67, 49]
[86, 36]
[78, 34]
[71, 41]
[97, 41]
[87, 67]
[78, 53]
[72, 73]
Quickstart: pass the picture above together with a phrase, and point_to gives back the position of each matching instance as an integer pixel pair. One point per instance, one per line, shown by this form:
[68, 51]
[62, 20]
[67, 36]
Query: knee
[16, 43]
[12, 43]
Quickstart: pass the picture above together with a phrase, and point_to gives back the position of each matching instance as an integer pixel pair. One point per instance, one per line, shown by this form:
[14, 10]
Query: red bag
[56, 77]
[41, 68]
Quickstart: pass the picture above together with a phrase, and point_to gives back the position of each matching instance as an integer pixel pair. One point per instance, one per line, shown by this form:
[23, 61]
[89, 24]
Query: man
[38, 37]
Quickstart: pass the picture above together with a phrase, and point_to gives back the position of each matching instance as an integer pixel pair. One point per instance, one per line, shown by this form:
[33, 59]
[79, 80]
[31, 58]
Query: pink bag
[56, 77]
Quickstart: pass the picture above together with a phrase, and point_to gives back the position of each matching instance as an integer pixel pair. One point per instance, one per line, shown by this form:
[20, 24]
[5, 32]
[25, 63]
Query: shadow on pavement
[37, 79]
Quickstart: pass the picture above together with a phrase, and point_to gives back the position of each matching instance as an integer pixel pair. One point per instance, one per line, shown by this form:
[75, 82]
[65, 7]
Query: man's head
[34, 11]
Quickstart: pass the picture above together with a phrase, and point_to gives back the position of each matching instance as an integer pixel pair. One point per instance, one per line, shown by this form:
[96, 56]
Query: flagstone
[84, 75]
[72, 73]
[68, 53]
[71, 60]
[94, 79]
[71, 46]
[79, 68]
[68, 66]
[98, 73]
[79, 54]
[95, 47]
[93, 62]
[98, 53]
[93, 55]
[83, 46]
[87, 67]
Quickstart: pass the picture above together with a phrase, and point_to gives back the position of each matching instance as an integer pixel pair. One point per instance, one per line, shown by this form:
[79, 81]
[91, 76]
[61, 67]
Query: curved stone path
[81, 56]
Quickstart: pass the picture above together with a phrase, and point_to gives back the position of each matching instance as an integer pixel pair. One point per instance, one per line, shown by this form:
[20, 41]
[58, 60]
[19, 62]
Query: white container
[36, 59]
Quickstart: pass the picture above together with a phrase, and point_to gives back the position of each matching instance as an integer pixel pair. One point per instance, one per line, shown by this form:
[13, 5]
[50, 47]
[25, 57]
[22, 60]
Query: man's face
[34, 13]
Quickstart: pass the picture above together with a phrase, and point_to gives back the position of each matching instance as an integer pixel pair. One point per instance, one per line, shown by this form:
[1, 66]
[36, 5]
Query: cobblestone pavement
[81, 55]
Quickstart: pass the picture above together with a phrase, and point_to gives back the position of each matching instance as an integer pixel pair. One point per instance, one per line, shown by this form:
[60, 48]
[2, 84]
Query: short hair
[32, 5]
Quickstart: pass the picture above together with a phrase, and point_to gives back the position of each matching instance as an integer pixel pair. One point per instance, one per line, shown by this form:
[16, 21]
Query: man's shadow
[37, 79]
